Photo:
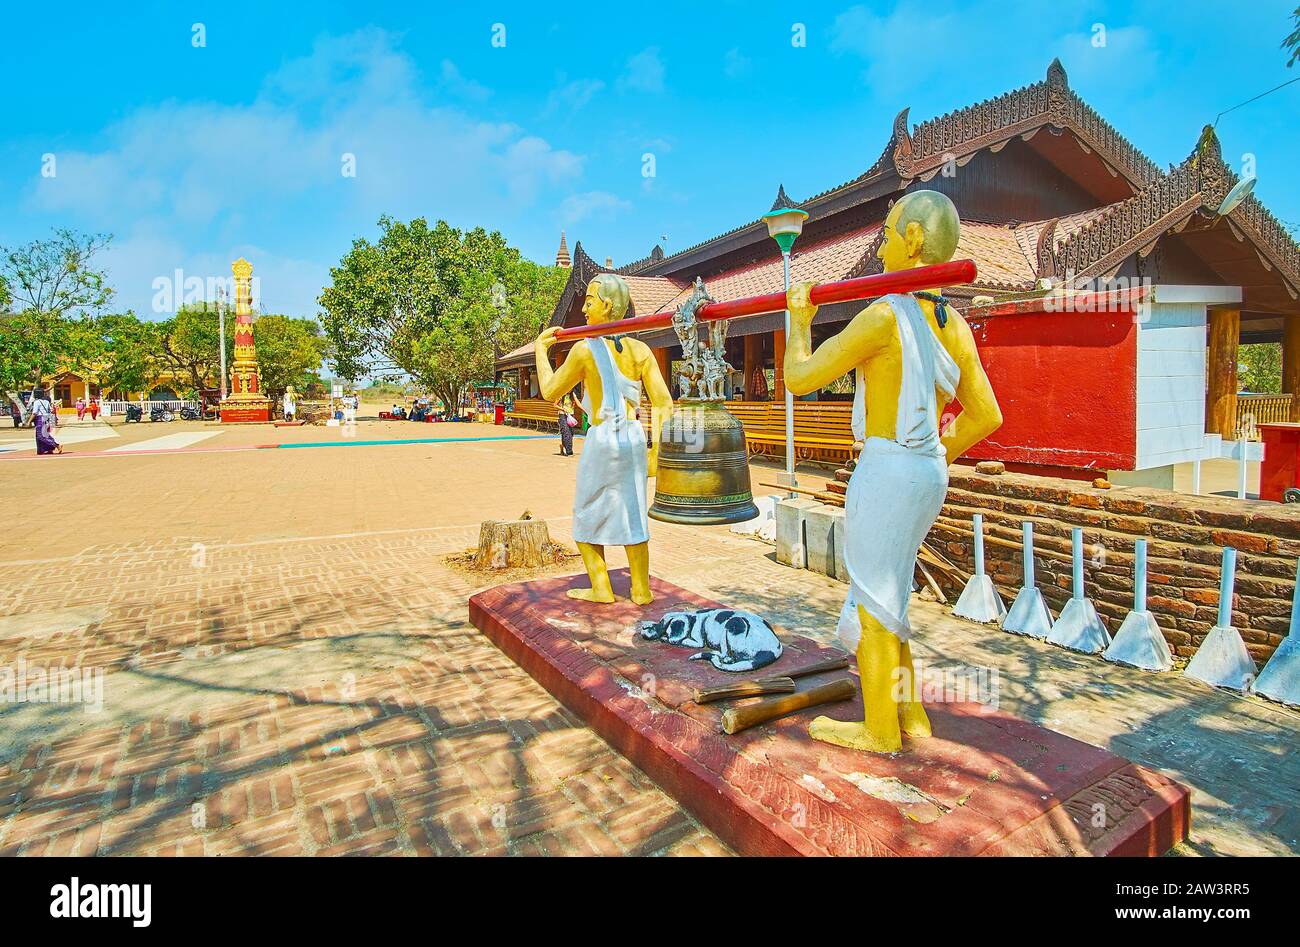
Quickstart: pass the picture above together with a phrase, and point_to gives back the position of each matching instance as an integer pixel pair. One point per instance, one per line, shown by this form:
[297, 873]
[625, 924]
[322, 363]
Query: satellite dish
[1240, 191]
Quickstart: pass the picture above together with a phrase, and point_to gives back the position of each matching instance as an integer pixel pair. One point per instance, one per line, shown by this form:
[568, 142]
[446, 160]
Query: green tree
[188, 344]
[1260, 367]
[420, 301]
[56, 276]
[51, 284]
[130, 352]
[289, 352]
[35, 345]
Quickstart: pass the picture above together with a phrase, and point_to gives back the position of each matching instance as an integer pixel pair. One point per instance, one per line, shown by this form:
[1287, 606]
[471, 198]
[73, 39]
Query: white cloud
[880, 41]
[571, 97]
[644, 72]
[455, 84]
[600, 205]
[1127, 59]
[735, 64]
[176, 180]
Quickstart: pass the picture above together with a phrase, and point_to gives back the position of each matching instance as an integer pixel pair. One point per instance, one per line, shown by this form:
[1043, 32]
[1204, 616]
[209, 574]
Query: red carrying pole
[954, 273]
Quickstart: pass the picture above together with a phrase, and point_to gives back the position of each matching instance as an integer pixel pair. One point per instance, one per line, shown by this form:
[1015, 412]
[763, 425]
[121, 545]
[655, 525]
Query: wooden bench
[534, 413]
[823, 431]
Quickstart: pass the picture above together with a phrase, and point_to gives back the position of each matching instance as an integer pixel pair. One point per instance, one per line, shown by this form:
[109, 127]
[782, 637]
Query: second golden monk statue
[911, 354]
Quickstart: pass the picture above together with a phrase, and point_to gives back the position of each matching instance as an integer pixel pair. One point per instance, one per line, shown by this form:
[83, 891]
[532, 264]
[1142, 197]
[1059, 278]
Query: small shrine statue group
[911, 355]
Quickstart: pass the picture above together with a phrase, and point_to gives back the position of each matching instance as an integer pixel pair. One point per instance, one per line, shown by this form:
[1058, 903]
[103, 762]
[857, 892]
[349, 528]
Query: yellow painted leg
[638, 560]
[914, 721]
[593, 557]
[879, 654]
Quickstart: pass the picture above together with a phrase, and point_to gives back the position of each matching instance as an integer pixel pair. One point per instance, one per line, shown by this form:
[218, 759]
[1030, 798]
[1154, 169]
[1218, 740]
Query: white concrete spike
[1139, 641]
[1028, 614]
[979, 601]
[1222, 659]
[1280, 679]
[1079, 627]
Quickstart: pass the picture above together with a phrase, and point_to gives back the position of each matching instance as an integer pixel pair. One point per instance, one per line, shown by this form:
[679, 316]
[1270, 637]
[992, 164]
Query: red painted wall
[1067, 386]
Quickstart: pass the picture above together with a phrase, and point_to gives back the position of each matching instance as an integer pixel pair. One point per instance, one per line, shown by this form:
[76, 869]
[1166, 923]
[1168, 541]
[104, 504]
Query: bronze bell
[703, 467]
[703, 462]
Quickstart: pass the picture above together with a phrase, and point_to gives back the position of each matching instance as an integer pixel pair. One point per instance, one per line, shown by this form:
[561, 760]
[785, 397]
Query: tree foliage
[1260, 367]
[50, 284]
[130, 350]
[420, 301]
[56, 276]
[289, 352]
[188, 343]
[36, 344]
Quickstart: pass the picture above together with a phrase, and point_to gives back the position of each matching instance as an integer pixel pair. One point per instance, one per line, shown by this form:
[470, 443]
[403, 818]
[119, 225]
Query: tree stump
[513, 544]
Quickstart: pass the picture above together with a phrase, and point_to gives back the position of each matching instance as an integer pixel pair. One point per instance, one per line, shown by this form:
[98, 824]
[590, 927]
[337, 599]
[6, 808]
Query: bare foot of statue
[855, 735]
[600, 596]
[914, 721]
[638, 560]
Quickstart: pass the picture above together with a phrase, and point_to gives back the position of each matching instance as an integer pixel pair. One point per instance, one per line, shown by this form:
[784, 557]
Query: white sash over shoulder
[899, 485]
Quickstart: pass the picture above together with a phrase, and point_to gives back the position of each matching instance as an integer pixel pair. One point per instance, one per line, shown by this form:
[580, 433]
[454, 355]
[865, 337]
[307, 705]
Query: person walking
[81, 409]
[45, 420]
[94, 409]
[567, 423]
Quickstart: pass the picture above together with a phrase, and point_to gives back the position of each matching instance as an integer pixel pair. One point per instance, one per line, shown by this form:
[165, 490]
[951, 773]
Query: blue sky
[193, 155]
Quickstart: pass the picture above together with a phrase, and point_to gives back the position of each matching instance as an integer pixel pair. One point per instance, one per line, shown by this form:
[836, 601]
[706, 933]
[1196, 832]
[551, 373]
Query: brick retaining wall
[1185, 536]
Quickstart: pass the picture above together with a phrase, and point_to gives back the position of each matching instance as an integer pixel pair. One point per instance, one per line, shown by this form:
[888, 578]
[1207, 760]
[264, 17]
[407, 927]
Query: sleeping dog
[732, 640]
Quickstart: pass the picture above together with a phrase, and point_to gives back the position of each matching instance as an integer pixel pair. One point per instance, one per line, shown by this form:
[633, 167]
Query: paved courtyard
[288, 665]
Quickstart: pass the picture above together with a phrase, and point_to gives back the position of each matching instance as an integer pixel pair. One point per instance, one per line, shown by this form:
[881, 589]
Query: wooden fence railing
[1253, 410]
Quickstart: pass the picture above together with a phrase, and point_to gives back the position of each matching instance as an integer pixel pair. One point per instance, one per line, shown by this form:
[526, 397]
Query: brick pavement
[303, 679]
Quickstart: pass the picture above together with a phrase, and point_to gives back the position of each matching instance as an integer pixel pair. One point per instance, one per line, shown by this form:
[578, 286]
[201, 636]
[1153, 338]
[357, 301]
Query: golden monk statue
[609, 506]
[912, 354]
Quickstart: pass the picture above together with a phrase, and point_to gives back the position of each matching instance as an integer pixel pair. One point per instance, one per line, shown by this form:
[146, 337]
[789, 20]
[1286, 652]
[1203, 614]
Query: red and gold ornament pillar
[246, 401]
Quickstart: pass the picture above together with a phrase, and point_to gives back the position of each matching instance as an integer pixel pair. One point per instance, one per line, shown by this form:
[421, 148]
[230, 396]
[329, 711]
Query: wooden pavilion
[1052, 198]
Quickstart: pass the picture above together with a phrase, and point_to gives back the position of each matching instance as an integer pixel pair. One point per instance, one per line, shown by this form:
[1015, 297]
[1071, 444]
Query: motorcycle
[161, 412]
[189, 413]
[134, 413]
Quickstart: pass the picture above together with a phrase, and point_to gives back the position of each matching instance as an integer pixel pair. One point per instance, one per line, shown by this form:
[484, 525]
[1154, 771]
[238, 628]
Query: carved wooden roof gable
[1197, 185]
[991, 123]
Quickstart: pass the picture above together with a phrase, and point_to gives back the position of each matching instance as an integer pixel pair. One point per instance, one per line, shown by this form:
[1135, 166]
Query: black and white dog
[732, 640]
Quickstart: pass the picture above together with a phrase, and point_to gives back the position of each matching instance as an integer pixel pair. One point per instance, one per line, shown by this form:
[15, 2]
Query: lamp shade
[785, 220]
[1240, 191]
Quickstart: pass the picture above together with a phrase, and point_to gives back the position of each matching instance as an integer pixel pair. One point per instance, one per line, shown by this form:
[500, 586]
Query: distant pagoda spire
[562, 254]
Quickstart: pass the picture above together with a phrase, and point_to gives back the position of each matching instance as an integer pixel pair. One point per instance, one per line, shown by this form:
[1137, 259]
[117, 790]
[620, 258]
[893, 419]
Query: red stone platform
[986, 783]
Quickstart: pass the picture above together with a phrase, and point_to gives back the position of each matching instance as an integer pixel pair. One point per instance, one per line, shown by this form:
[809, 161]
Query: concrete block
[821, 536]
[790, 542]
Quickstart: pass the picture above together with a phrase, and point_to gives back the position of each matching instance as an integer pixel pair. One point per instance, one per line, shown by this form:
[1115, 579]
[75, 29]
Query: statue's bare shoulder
[873, 327]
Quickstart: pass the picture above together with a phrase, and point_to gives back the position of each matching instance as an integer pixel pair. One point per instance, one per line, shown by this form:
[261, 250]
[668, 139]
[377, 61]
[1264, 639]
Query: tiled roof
[830, 259]
[650, 293]
[999, 256]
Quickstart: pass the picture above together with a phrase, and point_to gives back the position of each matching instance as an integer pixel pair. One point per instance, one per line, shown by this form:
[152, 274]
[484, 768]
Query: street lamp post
[784, 224]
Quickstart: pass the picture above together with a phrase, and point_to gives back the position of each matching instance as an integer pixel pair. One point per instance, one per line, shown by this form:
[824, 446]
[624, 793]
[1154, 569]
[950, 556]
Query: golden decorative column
[1221, 385]
[246, 401]
[1291, 363]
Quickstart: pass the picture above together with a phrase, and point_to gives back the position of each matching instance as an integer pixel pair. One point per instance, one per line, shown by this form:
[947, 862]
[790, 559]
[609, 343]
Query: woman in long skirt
[566, 428]
[43, 420]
